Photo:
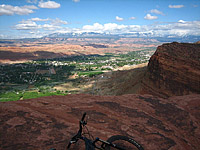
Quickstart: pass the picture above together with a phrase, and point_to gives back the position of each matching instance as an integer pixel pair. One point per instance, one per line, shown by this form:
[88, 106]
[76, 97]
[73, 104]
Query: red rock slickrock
[49, 122]
[173, 70]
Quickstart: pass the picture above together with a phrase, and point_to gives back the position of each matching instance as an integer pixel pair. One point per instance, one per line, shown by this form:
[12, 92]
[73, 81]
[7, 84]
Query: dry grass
[126, 80]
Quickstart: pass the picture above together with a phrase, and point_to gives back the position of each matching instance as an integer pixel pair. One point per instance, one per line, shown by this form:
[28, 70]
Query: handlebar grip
[83, 117]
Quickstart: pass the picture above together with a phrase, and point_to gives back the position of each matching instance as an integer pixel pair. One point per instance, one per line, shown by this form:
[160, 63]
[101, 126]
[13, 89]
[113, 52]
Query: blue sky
[36, 18]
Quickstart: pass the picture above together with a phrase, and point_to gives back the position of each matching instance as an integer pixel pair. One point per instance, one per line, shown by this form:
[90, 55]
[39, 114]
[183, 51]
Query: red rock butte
[173, 70]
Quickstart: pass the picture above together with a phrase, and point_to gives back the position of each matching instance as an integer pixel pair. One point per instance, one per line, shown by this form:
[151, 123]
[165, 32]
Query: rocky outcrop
[174, 69]
[198, 42]
[49, 122]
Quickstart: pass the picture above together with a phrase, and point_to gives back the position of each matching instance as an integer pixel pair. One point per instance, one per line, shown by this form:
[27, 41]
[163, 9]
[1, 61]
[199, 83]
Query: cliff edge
[173, 70]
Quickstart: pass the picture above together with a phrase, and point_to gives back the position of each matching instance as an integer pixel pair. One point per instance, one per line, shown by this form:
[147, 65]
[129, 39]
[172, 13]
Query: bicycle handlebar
[78, 135]
[83, 117]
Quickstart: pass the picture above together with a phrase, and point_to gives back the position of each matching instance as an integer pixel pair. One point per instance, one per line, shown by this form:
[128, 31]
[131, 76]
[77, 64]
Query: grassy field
[14, 96]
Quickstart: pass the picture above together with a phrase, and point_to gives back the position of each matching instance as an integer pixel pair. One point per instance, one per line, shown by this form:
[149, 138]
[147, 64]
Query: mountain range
[64, 36]
[168, 38]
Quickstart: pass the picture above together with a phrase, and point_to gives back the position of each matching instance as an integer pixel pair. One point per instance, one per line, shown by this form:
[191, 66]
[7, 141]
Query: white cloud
[19, 10]
[48, 4]
[26, 25]
[118, 18]
[57, 21]
[49, 27]
[29, 7]
[132, 18]
[176, 6]
[94, 27]
[156, 11]
[179, 28]
[30, 24]
[76, 1]
[182, 21]
[150, 17]
[6, 10]
[39, 19]
[108, 27]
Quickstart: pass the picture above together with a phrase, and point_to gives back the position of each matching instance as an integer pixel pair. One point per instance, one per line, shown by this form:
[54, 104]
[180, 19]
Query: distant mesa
[7, 56]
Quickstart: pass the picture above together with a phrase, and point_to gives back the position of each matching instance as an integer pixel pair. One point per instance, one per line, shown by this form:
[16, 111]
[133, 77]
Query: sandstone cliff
[49, 122]
[174, 69]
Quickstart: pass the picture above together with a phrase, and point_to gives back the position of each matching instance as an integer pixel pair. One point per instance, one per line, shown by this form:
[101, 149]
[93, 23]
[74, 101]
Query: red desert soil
[12, 54]
[49, 122]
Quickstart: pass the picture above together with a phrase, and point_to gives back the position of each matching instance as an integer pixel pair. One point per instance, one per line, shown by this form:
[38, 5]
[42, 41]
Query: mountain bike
[114, 142]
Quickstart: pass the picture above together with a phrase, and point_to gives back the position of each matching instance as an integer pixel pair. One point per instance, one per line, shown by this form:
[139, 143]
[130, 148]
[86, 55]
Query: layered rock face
[174, 69]
[50, 122]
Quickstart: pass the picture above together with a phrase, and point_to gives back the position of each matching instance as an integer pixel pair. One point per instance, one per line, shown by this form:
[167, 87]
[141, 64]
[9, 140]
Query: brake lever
[73, 140]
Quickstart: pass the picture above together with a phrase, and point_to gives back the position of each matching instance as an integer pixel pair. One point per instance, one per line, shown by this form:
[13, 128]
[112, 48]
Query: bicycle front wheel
[124, 143]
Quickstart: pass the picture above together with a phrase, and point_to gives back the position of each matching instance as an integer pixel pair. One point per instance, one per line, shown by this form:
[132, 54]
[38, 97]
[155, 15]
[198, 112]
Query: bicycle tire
[123, 142]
